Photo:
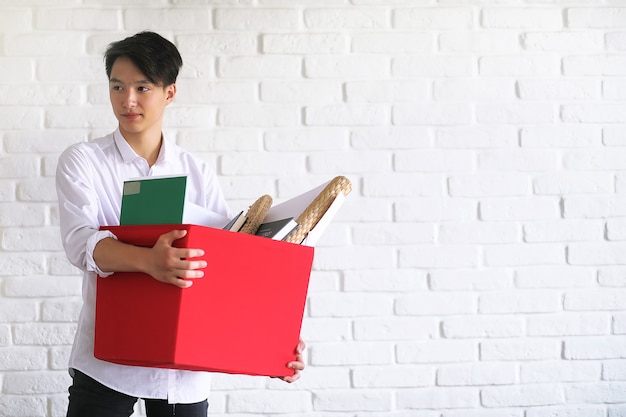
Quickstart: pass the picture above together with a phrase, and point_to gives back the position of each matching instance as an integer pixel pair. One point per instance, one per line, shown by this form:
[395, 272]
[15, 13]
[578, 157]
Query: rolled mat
[316, 210]
[256, 214]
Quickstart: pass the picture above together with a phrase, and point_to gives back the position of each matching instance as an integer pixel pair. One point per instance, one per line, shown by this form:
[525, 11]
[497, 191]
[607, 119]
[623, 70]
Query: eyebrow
[115, 80]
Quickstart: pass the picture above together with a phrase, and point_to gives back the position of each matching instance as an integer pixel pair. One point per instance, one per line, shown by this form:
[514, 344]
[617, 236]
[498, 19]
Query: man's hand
[171, 265]
[297, 365]
[163, 261]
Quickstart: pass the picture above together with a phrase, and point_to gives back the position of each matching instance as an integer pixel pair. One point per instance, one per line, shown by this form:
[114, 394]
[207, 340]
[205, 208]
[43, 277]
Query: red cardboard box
[244, 316]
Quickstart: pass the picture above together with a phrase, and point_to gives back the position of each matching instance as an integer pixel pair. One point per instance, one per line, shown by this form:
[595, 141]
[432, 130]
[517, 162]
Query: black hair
[156, 57]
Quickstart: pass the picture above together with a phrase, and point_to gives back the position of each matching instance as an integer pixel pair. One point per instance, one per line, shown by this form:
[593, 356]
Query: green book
[153, 200]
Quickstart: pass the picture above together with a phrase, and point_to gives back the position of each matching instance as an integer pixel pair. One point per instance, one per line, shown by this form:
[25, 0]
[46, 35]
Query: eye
[143, 89]
[116, 88]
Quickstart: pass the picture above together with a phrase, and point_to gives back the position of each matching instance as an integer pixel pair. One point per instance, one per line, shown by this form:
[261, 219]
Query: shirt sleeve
[78, 210]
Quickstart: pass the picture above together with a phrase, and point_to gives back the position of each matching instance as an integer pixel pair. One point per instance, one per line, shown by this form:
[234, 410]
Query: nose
[130, 99]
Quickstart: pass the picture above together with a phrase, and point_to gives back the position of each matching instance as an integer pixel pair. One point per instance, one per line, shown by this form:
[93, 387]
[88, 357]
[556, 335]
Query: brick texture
[476, 270]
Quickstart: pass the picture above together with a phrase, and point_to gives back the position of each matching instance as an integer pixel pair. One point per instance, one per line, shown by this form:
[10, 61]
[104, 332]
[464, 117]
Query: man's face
[137, 103]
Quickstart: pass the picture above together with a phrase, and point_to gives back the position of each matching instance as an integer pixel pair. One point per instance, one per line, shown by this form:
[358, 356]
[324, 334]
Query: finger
[184, 265]
[190, 253]
[189, 269]
[173, 235]
[296, 365]
[180, 283]
[301, 346]
[299, 359]
[290, 379]
[189, 273]
[195, 265]
[179, 278]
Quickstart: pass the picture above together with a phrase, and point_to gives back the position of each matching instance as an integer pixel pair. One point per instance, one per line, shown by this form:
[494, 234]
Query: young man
[142, 71]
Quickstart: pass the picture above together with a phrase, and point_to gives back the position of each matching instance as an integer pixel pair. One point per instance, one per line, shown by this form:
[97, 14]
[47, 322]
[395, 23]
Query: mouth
[131, 116]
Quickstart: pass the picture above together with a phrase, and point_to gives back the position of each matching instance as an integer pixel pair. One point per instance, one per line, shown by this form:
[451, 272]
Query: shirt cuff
[91, 246]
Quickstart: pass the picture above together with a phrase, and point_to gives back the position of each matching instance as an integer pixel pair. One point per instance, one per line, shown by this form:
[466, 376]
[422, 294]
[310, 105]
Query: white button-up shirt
[89, 180]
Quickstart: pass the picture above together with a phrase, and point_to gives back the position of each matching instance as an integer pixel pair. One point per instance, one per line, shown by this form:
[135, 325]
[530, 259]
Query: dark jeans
[90, 398]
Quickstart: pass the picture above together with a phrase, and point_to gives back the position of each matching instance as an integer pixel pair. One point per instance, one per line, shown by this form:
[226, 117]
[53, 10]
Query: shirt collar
[129, 155]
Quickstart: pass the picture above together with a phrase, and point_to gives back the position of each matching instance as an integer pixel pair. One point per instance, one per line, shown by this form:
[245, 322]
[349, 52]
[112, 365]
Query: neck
[144, 145]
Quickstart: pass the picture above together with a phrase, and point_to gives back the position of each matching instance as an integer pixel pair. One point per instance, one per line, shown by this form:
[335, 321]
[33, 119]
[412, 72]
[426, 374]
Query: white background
[478, 267]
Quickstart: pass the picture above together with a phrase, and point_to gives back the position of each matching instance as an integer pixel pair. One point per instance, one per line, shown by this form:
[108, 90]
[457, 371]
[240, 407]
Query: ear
[170, 93]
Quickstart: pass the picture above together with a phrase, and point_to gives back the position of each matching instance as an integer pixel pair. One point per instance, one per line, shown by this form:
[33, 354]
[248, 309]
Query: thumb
[173, 235]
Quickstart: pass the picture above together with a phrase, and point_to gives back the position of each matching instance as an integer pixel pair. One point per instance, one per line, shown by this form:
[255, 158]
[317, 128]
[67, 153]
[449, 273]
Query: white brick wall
[478, 269]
